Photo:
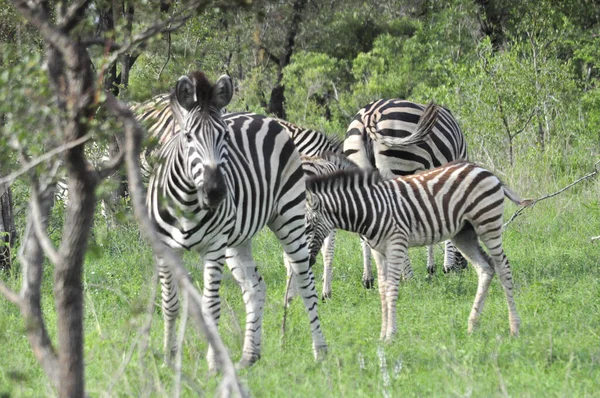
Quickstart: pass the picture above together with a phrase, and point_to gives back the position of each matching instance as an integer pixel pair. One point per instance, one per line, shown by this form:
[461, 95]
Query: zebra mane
[338, 160]
[424, 128]
[343, 179]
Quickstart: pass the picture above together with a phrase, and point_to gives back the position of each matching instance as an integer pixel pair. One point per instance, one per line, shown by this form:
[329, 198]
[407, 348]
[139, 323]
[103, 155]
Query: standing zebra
[214, 187]
[459, 201]
[382, 135]
[326, 163]
[156, 112]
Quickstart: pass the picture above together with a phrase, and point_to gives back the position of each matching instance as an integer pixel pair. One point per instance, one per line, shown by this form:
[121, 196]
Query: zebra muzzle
[214, 187]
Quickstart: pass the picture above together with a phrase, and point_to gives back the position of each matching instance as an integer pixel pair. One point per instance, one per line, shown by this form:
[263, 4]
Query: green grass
[557, 291]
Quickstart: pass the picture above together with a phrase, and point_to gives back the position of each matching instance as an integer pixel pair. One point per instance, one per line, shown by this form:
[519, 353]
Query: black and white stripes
[459, 201]
[385, 135]
[215, 185]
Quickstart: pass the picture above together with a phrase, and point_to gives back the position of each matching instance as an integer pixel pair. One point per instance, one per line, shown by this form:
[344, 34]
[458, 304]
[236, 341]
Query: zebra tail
[513, 196]
[424, 128]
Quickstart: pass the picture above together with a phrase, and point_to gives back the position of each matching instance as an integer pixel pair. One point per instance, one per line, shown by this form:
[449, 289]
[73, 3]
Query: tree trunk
[277, 100]
[8, 232]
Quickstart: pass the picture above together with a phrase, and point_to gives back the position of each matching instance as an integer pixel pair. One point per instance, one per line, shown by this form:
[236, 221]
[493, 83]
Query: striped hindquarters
[389, 120]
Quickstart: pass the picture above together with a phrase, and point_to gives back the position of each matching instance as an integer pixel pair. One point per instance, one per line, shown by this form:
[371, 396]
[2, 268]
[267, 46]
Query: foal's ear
[223, 91]
[185, 92]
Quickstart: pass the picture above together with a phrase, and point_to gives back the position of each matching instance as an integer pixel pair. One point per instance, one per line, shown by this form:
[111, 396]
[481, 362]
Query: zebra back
[399, 138]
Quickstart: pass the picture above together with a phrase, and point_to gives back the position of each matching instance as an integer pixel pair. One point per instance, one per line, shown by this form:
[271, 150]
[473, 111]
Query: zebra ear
[185, 92]
[223, 91]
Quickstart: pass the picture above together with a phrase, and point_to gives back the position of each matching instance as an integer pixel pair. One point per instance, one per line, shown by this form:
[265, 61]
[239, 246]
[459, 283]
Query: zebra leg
[170, 308]
[367, 278]
[502, 268]
[398, 267]
[244, 270]
[453, 259]
[430, 260]
[211, 302]
[290, 286]
[292, 238]
[467, 242]
[381, 265]
[327, 250]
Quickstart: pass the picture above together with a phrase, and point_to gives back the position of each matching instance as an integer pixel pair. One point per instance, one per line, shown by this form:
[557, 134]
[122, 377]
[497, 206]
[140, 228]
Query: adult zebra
[459, 201]
[157, 115]
[382, 135]
[214, 187]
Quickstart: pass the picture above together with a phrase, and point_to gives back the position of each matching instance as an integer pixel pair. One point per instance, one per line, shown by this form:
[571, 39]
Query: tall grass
[557, 290]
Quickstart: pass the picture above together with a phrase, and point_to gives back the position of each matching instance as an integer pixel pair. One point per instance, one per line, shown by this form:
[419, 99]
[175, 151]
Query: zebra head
[196, 105]
[318, 224]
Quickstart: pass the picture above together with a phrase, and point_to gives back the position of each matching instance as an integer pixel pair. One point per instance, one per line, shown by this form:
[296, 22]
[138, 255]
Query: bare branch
[533, 202]
[43, 238]
[43, 158]
[166, 26]
[73, 15]
[39, 19]
[10, 294]
[111, 166]
[168, 56]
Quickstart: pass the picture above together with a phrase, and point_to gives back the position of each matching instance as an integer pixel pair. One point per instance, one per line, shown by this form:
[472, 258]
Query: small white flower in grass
[397, 368]
[383, 366]
[361, 361]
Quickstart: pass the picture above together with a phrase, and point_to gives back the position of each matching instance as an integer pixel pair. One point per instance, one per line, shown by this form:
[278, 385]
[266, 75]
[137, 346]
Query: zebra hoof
[247, 361]
[369, 283]
[320, 352]
[326, 296]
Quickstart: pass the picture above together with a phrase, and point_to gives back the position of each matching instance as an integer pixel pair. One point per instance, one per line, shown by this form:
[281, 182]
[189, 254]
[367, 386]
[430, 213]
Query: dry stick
[133, 138]
[533, 202]
[595, 238]
[43, 158]
[180, 337]
[285, 308]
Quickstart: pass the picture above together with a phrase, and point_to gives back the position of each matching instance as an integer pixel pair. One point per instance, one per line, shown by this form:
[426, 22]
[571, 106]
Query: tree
[78, 101]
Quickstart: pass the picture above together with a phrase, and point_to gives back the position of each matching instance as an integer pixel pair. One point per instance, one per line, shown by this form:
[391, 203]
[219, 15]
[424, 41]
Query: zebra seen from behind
[384, 135]
[217, 184]
[459, 201]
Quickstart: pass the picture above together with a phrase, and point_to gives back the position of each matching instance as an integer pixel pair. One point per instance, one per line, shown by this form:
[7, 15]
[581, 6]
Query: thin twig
[595, 238]
[168, 56]
[10, 294]
[43, 158]
[533, 202]
[111, 166]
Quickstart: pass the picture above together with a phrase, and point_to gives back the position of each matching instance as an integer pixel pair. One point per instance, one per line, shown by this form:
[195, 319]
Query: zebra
[156, 114]
[326, 163]
[382, 136]
[214, 187]
[460, 201]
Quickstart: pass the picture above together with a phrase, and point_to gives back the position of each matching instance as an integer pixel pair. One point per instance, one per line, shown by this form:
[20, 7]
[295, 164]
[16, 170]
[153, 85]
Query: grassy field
[557, 276]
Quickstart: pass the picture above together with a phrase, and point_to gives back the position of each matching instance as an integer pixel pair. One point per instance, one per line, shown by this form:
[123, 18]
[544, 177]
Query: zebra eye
[188, 137]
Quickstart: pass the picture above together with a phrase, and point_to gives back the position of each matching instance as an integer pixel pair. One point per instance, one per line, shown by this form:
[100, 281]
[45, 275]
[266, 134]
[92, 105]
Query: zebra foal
[214, 186]
[386, 135]
[460, 201]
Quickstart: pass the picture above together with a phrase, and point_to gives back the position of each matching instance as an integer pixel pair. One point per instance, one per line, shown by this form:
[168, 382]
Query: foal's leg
[380, 262]
[398, 268]
[493, 242]
[467, 242]
[367, 278]
[327, 250]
